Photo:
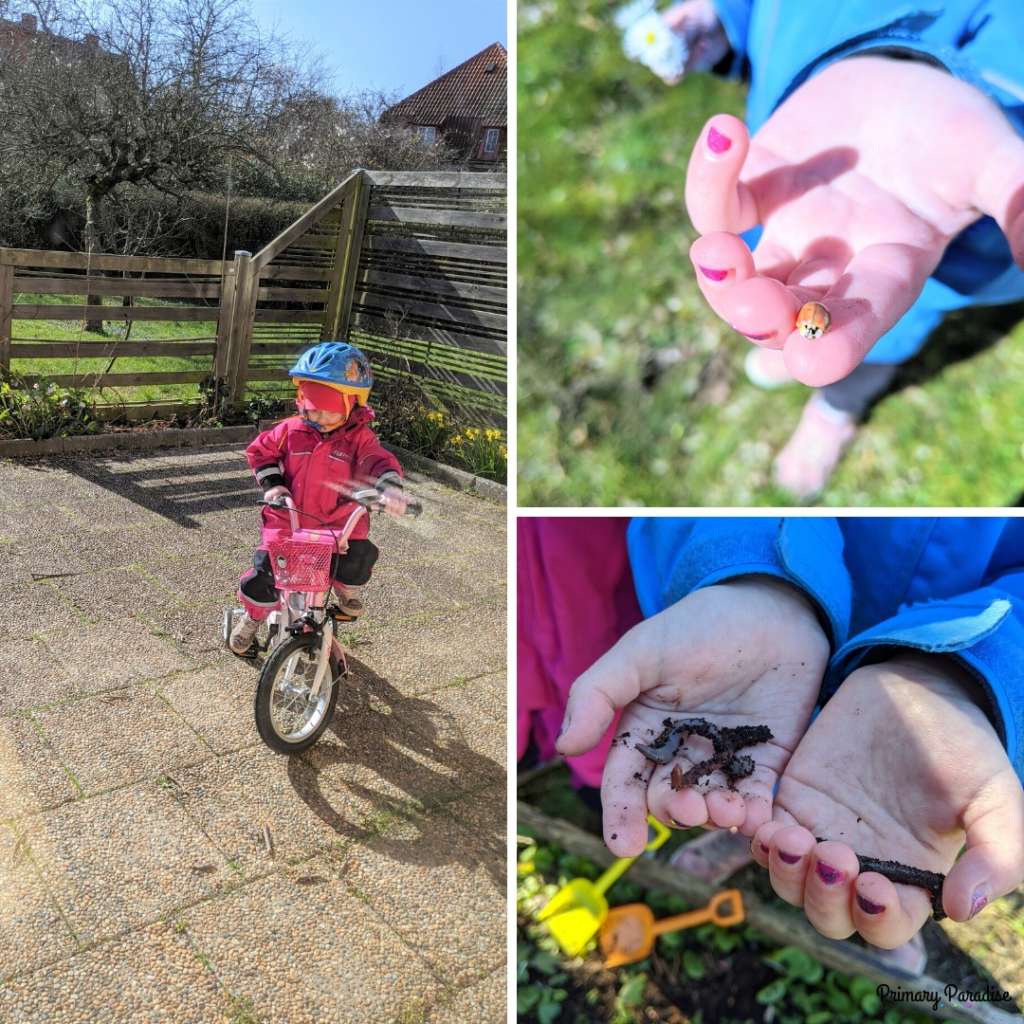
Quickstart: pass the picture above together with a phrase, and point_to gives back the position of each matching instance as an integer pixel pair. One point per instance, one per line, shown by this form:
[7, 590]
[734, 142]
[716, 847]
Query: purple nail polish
[717, 142]
[868, 907]
[789, 858]
[757, 337]
[978, 901]
[713, 275]
[828, 874]
[764, 849]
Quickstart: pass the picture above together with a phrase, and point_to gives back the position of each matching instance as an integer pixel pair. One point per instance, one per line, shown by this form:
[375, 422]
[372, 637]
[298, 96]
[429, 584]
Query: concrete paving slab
[32, 930]
[304, 954]
[197, 580]
[423, 655]
[31, 676]
[33, 608]
[483, 1003]
[93, 737]
[123, 859]
[113, 594]
[459, 926]
[31, 774]
[217, 702]
[233, 797]
[111, 654]
[484, 814]
[150, 975]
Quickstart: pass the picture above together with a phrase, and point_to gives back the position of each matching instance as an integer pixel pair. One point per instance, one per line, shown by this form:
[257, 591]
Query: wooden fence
[411, 266]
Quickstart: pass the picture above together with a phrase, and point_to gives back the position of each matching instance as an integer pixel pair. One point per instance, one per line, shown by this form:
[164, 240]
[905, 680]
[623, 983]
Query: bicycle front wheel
[287, 718]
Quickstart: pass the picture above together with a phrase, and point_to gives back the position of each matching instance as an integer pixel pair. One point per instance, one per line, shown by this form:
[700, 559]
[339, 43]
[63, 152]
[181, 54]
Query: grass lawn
[94, 354]
[630, 390]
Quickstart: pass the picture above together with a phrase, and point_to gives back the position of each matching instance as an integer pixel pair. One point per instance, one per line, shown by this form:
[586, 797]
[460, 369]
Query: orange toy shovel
[628, 932]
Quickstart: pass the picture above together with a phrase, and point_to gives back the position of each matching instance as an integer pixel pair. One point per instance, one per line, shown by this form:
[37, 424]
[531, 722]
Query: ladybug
[813, 320]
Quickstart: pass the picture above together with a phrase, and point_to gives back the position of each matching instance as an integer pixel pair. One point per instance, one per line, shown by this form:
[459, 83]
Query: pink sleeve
[375, 464]
[265, 455]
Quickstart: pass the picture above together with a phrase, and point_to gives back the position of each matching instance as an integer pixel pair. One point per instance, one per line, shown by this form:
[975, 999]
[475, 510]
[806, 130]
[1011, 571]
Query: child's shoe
[243, 636]
[349, 602]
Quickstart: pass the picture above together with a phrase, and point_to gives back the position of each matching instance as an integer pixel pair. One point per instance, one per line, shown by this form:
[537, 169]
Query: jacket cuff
[389, 479]
[979, 630]
[269, 476]
[805, 552]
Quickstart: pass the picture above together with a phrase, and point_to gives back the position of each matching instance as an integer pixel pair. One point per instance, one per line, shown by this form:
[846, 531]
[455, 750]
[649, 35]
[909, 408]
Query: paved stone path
[135, 884]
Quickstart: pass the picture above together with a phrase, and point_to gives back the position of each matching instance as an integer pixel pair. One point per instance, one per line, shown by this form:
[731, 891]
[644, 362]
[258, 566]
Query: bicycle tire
[265, 692]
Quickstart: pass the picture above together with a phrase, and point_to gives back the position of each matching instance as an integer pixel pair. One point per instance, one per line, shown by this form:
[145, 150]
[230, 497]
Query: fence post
[242, 319]
[6, 300]
[350, 244]
[222, 359]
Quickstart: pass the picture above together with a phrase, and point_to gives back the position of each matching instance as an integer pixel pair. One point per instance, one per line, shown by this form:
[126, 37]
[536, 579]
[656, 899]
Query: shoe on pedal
[350, 605]
[243, 637]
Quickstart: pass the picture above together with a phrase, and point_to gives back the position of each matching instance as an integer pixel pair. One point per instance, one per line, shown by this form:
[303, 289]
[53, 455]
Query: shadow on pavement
[369, 709]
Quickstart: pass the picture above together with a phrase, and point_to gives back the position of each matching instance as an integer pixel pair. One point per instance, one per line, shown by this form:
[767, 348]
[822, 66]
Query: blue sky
[395, 46]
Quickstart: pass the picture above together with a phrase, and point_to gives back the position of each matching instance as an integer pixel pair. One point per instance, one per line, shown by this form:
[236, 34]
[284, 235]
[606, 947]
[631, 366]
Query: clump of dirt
[726, 740]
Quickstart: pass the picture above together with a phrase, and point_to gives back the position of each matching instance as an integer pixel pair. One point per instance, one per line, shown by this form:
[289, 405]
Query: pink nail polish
[828, 874]
[978, 901]
[788, 858]
[757, 337]
[713, 275]
[717, 142]
[868, 907]
[764, 849]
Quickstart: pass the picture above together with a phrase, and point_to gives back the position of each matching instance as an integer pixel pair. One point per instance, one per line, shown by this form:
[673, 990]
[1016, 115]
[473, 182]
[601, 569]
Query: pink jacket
[299, 457]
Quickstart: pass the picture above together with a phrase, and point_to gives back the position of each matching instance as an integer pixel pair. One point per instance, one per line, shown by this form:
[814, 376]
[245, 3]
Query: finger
[999, 190]
[762, 310]
[788, 861]
[720, 259]
[877, 287]
[760, 847]
[726, 809]
[887, 915]
[685, 807]
[613, 681]
[828, 888]
[993, 864]
[624, 800]
[716, 200]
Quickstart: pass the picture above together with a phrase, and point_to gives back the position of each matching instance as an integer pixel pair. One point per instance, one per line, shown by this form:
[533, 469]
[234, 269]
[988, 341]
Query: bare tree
[115, 94]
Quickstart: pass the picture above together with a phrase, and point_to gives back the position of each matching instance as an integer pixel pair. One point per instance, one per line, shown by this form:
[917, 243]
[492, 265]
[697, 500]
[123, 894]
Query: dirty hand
[860, 180]
[901, 763]
[746, 652]
[277, 493]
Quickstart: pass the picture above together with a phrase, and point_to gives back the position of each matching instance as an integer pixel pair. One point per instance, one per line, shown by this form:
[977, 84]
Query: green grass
[606, 288]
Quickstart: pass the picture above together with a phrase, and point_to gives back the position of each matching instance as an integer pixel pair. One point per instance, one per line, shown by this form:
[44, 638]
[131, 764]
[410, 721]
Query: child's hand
[898, 765]
[276, 493]
[860, 179]
[747, 652]
[696, 21]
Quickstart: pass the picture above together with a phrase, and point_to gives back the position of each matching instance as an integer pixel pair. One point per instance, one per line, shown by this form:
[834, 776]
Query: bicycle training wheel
[287, 719]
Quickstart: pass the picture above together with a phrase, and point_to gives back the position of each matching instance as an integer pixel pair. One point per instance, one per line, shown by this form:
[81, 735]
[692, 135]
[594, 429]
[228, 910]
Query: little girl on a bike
[322, 458]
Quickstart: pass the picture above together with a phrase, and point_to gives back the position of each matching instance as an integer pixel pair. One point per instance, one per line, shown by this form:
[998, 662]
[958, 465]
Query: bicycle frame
[295, 606]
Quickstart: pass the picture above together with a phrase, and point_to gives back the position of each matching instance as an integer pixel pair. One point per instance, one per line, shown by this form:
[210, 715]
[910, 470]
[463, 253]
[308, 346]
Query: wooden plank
[6, 308]
[107, 350]
[434, 286]
[469, 381]
[108, 261]
[350, 261]
[277, 272]
[62, 311]
[312, 216]
[125, 380]
[433, 247]
[267, 373]
[242, 327]
[782, 924]
[444, 218]
[154, 288]
[292, 295]
[370, 323]
[288, 316]
[438, 179]
[432, 310]
[225, 318]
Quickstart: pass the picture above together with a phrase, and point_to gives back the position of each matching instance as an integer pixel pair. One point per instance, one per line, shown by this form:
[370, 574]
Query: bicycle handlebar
[379, 501]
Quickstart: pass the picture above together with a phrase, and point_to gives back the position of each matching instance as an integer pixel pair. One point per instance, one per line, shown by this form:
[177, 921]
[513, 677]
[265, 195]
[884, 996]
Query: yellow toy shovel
[628, 932]
[577, 910]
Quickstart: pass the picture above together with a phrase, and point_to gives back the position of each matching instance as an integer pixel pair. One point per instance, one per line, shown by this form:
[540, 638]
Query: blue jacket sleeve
[983, 629]
[671, 557]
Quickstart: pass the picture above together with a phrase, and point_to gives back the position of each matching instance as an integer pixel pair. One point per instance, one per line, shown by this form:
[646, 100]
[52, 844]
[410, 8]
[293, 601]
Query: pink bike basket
[301, 564]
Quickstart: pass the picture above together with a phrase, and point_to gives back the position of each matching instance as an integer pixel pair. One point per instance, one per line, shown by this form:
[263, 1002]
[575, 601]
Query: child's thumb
[993, 863]
[716, 199]
[999, 191]
[613, 681]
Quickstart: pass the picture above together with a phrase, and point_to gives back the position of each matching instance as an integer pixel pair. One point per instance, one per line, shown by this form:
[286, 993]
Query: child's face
[327, 419]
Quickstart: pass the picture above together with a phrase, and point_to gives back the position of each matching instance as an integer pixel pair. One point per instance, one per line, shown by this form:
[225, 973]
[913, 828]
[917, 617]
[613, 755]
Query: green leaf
[870, 1003]
[632, 992]
[527, 998]
[860, 987]
[548, 1011]
[545, 963]
[819, 1017]
[693, 964]
[772, 992]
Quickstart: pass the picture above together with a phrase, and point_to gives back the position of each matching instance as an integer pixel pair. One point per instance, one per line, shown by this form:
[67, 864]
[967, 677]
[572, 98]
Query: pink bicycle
[298, 684]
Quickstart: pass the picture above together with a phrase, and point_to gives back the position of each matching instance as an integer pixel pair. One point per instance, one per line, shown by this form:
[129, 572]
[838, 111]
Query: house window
[427, 133]
[491, 137]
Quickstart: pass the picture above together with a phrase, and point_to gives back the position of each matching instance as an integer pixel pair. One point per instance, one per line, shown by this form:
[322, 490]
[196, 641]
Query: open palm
[748, 652]
[860, 179]
[900, 765]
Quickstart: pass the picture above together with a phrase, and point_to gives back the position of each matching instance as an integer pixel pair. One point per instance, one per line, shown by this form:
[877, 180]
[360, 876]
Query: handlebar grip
[414, 508]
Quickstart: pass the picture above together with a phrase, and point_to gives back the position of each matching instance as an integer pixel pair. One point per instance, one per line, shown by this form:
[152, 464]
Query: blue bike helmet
[338, 365]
